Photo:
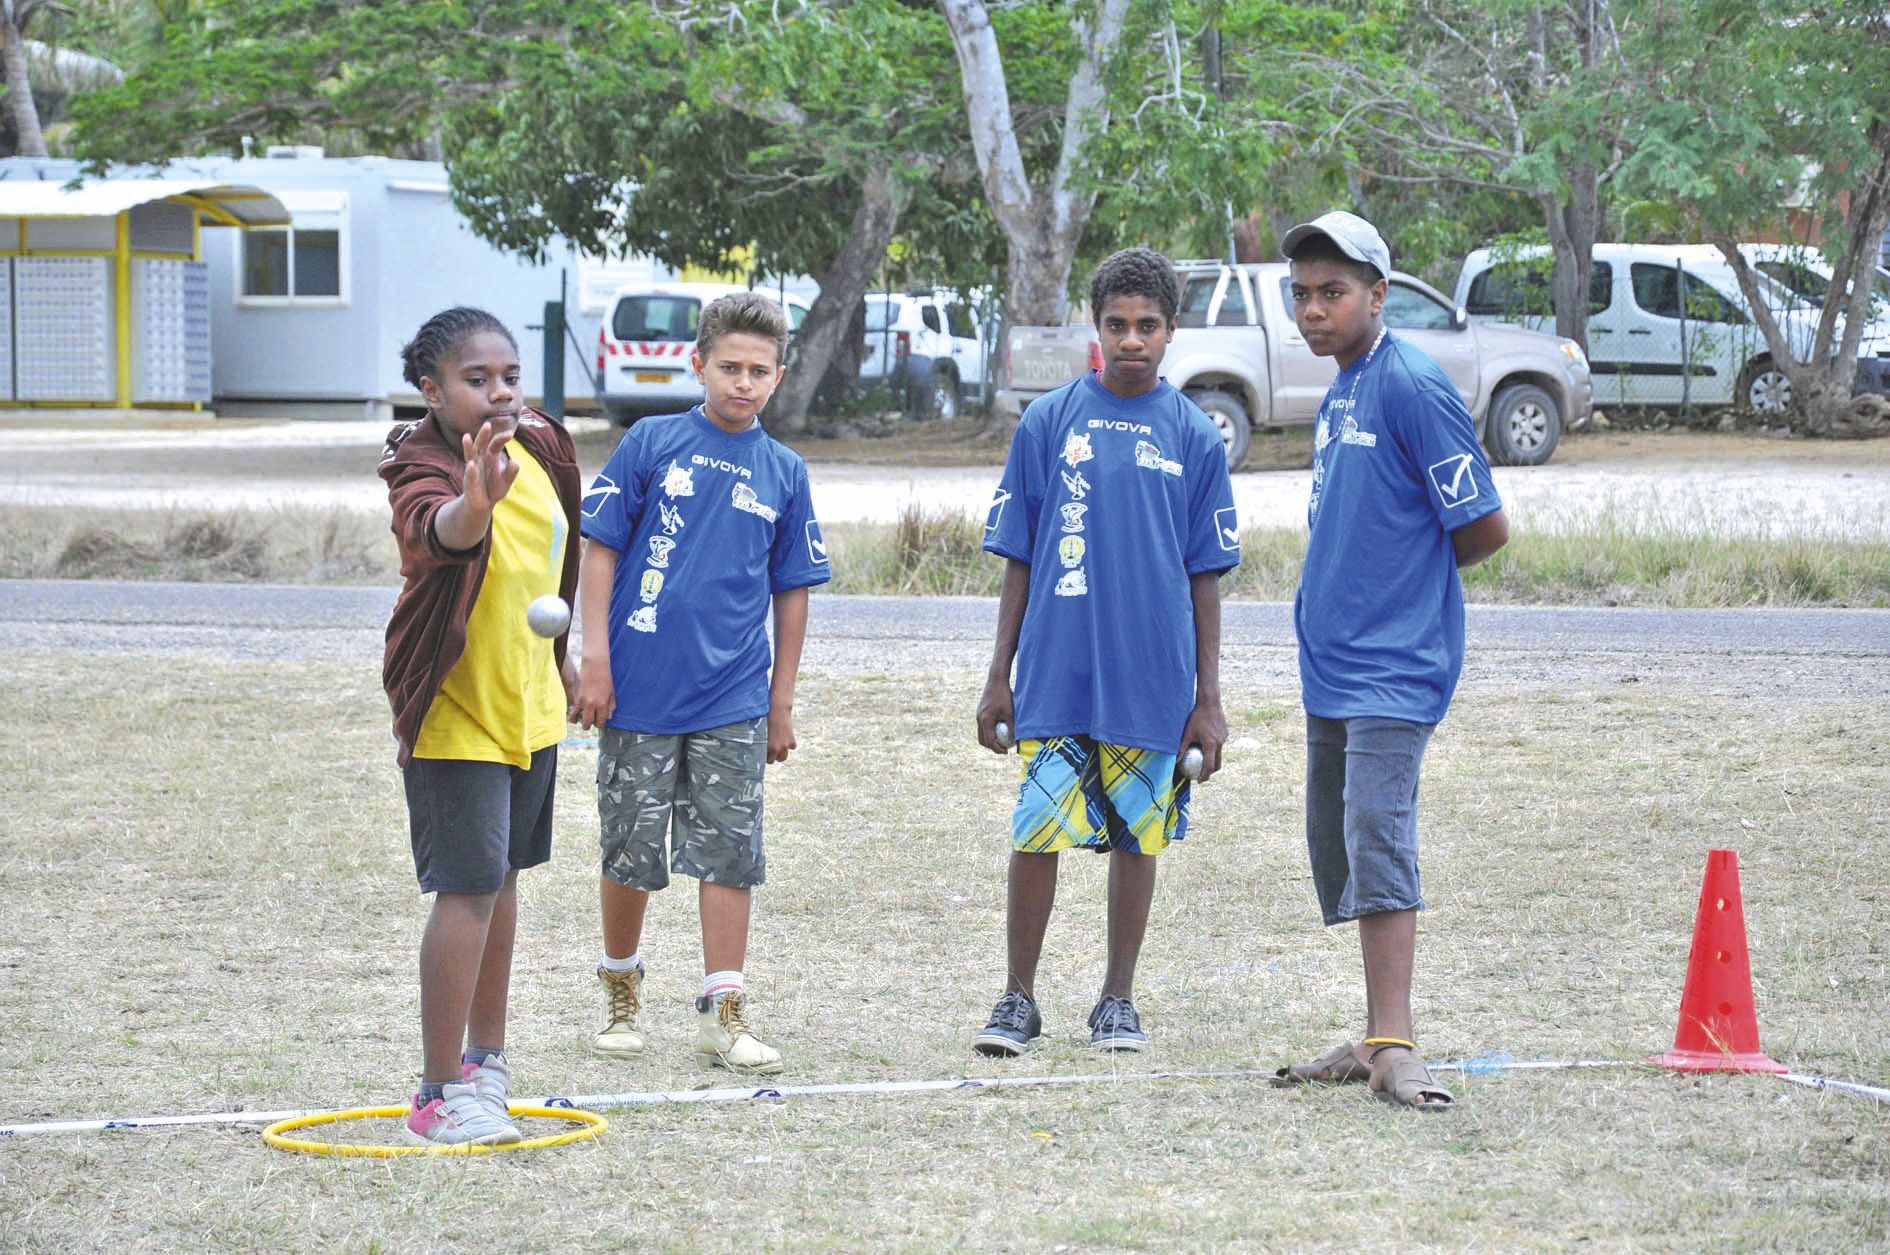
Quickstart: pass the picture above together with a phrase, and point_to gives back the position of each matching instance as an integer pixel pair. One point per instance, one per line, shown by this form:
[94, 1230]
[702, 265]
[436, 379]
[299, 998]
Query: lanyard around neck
[1352, 396]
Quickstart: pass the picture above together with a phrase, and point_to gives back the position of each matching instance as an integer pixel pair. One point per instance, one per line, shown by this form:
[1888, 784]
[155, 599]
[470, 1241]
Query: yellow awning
[218, 204]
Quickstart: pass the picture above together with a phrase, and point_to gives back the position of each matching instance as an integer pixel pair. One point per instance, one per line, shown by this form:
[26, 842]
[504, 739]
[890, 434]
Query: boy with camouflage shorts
[697, 525]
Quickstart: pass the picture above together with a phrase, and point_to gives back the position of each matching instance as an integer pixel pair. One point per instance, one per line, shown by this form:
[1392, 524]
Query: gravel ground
[1765, 656]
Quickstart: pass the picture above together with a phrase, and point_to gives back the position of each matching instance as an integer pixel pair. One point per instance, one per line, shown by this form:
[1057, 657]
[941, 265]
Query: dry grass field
[206, 903]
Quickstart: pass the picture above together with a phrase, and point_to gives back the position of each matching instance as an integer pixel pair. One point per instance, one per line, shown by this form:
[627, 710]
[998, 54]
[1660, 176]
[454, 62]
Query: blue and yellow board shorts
[1079, 792]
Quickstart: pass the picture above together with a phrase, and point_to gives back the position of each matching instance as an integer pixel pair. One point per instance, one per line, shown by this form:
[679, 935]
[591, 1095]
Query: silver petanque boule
[549, 615]
[1191, 763]
[1003, 734]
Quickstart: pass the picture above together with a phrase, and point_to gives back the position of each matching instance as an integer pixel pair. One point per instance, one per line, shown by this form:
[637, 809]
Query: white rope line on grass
[645, 1098]
[1478, 1065]
[1849, 1087]
[1503, 1063]
[875, 1088]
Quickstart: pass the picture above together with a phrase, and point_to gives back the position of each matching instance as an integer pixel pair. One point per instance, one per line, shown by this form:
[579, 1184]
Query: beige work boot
[619, 1035]
[726, 1041]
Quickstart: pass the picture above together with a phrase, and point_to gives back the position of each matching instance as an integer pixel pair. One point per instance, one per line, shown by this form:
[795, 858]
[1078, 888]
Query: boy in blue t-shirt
[698, 522]
[1401, 499]
[1116, 517]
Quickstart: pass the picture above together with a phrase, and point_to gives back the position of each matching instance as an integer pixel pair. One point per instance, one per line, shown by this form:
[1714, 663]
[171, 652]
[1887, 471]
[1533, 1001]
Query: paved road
[1782, 654]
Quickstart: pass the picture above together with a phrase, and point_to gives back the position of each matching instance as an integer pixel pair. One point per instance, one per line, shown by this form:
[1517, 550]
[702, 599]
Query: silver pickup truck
[1239, 356]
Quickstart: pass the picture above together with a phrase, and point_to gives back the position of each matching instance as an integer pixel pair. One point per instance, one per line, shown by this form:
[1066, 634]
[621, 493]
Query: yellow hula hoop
[592, 1125]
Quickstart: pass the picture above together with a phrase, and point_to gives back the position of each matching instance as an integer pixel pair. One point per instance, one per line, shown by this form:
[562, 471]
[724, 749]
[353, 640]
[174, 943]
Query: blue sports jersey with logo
[707, 526]
[1396, 469]
[1114, 503]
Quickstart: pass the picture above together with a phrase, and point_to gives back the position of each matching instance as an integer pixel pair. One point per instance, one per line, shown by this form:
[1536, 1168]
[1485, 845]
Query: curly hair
[1135, 272]
[441, 336]
[748, 313]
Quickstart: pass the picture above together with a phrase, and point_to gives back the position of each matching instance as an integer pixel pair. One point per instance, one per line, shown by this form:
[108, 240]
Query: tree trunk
[1572, 226]
[842, 286]
[20, 91]
[1821, 388]
[1356, 191]
[1817, 395]
[1574, 222]
[1247, 238]
[1870, 217]
[1043, 223]
[1037, 287]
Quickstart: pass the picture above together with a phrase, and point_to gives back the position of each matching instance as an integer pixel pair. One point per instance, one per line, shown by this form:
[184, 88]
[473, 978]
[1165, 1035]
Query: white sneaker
[456, 1118]
[624, 995]
[492, 1082]
[726, 1041]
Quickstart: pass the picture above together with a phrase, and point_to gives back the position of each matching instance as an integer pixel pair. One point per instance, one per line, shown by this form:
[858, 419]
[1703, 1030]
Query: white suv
[644, 344]
[926, 347]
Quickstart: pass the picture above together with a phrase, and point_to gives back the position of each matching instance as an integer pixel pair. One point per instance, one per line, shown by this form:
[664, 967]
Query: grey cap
[1356, 238]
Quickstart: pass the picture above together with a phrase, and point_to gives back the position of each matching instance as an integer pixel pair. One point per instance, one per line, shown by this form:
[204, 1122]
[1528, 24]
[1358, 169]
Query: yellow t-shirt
[503, 700]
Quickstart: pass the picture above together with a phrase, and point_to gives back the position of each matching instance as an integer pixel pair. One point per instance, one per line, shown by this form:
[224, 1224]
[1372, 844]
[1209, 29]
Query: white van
[644, 344]
[1804, 273]
[1666, 322]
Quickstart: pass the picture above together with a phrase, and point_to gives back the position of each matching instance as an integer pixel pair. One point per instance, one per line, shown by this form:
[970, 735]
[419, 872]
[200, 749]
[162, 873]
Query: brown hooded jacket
[425, 469]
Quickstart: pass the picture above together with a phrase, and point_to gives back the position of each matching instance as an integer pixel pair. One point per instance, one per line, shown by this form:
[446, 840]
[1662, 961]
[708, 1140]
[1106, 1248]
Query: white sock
[715, 984]
[620, 966]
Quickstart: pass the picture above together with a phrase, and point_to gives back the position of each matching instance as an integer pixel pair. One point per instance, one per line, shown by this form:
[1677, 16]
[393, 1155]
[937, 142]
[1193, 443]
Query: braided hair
[441, 336]
[1136, 272]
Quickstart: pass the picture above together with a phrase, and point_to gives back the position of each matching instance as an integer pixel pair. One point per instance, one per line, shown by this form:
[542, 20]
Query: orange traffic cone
[1719, 1026]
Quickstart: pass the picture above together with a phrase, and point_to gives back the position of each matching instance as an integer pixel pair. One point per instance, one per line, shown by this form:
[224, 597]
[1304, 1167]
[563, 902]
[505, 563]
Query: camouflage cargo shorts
[702, 790]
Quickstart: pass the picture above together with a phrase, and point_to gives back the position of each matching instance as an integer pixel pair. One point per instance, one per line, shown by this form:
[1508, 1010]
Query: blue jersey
[1396, 469]
[707, 527]
[1114, 503]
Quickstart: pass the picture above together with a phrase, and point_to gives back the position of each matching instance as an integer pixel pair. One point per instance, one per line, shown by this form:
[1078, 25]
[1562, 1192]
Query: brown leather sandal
[1403, 1080]
[1338, 1066]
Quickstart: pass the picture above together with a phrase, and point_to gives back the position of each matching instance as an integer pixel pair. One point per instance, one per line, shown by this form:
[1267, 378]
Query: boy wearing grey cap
[1401, 499]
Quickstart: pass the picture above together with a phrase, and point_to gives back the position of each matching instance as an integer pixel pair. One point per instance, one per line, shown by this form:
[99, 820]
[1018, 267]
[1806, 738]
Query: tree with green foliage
[16, 18]
[1504, 96]
[1761, 105]
[712, 135]
[1042, 218]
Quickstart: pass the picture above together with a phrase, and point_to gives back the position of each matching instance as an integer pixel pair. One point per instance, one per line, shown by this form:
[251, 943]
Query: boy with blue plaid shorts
[1116, 519]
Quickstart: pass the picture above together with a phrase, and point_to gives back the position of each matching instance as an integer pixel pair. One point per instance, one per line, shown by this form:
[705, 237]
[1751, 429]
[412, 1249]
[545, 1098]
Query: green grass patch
[1610, 557]
[1599, 560]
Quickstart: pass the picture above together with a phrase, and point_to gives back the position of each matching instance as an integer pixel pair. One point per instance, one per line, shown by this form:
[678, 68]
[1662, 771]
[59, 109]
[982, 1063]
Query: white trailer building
[308, 308]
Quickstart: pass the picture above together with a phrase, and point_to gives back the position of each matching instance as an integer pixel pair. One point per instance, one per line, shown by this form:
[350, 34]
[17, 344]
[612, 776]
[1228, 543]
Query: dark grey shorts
[701, 790]
[1361, 814]
[471, 823]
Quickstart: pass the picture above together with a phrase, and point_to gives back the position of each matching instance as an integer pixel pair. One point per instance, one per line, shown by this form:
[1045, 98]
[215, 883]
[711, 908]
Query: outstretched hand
[489, 472]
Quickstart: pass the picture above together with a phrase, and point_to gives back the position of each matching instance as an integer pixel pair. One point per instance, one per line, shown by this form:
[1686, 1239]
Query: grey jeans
[1361, 814]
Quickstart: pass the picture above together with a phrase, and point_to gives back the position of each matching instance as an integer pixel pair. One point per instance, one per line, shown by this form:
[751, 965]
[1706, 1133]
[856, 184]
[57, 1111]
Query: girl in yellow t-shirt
[485, 499]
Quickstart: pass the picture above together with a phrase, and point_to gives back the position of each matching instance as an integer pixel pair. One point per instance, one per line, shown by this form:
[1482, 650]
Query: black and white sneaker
[1114, 1025]
[1014, 1024]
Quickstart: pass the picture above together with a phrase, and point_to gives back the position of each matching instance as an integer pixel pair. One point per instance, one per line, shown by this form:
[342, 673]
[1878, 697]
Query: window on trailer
[300, 263]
